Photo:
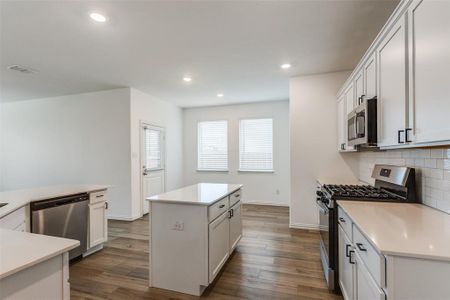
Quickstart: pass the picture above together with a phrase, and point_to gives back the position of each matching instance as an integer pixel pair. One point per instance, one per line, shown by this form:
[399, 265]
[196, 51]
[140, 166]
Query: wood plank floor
[271, 262]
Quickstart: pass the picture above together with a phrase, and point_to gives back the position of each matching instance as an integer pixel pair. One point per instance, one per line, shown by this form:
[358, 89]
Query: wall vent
[22, 69]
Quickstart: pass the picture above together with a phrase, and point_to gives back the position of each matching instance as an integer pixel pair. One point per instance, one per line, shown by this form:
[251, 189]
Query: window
[212, 146]
[153, 139]
[256, 145]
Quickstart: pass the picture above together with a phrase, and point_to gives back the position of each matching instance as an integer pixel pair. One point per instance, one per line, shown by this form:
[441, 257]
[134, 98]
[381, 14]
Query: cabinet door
[235, 225]
[341, 125]
[346, 269]
[349, 99]
[370, 77]
[219, 244]
[429, 45]
[366, 287]
[359, 87]
[392, 88]
[98, 225]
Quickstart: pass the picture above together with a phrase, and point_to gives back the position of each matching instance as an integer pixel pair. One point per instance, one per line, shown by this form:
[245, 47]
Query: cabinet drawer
[374, 262]
[217, 209]
[235, 197]
[345, 222]
[96, 197]
[14, 220]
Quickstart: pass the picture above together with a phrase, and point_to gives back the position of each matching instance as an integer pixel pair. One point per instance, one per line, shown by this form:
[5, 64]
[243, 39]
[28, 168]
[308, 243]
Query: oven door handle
[322, 207]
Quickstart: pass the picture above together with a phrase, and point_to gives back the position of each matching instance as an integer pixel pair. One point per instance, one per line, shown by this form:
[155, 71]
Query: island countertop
[21, 250]
[200, 194]
[17, 198]
[402, 229]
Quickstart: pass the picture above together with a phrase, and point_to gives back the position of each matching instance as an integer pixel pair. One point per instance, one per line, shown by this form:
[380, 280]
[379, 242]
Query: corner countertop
[21, 250]
[18, 198]
[402, 229]
[200, 194]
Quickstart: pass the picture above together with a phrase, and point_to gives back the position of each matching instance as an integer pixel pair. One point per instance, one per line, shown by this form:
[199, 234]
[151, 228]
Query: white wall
[163, 114]
[258, 187]
[313, 136]
[71, 139]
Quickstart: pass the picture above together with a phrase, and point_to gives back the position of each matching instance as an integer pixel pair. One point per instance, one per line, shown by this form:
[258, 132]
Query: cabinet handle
[342, 220]
[230, 214]
[406, 135]
[399, 135]
[222, 206]
[98, 196]
[346, 250]
[237, 195]
[360, 247]
[106, 205]
[350, 257]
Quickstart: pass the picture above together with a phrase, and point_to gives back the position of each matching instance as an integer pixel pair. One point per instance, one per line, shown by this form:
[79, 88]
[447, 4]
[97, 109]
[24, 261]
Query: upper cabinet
[340, 123]
[429, 48]
[407, 69]
[392, 88]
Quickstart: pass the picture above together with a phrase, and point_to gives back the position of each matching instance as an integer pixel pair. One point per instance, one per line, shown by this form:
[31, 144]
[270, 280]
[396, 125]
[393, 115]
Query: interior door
[153, 163]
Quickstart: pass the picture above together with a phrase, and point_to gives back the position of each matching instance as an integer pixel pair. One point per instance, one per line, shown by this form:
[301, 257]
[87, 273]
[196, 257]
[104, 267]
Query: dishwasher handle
[54, 202]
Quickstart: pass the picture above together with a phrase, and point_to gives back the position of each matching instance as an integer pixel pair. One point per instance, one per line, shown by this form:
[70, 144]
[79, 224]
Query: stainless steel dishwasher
[63, 217]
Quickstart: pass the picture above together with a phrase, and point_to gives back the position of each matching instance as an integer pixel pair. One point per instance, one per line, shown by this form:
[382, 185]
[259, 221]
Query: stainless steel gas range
[392, 184]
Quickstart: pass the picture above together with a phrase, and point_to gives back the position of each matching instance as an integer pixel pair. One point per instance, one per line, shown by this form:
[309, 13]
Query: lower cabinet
[346, 265]
[366, 287]
[98, 226]
[219, 249]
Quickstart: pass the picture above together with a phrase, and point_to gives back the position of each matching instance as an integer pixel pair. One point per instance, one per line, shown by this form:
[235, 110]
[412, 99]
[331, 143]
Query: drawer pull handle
[237, 195]
[342, 220]
[350, 257]
[346, 250]
[98, 196]
[360, 247]
[222, 206]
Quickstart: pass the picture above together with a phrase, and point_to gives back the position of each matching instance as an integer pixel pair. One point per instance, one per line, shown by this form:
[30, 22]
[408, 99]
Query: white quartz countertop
[21, 250]
[201, 194]
[402, 229]
[19, 198]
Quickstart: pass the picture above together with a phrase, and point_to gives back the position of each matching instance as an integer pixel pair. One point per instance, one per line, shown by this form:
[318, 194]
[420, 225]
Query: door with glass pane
[153, 163]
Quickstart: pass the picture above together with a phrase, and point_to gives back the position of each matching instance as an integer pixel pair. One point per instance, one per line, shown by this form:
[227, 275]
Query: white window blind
[256, 145]
[153, 149]
[212, 145]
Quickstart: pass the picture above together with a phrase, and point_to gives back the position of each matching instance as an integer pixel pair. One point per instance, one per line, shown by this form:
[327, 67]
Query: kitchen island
[193, 231]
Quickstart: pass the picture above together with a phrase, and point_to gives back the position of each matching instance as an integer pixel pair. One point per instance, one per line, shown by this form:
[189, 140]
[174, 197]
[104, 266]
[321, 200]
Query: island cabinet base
[190, 243]
[46, 280]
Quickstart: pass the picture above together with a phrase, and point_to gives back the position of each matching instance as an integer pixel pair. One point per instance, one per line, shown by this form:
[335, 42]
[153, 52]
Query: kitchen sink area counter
[193, 232]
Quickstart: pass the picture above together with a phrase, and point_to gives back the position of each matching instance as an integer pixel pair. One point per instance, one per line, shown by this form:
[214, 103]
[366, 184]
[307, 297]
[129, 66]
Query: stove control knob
[319, 193]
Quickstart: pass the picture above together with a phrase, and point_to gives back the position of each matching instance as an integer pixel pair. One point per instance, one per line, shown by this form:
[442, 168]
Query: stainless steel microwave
[362, 124]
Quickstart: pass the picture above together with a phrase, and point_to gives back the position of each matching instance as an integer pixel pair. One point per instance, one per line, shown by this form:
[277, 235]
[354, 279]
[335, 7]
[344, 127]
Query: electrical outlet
[179, 226]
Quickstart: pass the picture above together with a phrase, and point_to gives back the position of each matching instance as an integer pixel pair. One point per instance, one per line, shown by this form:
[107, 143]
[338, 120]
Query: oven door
[325, 217]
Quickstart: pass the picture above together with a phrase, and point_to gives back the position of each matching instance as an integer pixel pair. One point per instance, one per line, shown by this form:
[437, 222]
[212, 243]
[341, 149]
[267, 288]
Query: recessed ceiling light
[98, 17]
[285, 66]
[187, 79]
[220, 95]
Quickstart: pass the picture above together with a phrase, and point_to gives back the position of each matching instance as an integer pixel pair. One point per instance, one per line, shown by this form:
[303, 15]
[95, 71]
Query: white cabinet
[359, 87]
[370, 77]
[429, 46]
[219, 245]
[235, 225]
[18, 220]
[392, 88]
[349, 95]
[346, 267]
[98, 222]
[366, 287]
[98, 228]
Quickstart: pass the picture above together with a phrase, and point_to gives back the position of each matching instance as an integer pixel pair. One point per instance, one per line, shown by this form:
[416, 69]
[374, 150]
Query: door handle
[406, 135]
[230, 214]
[106, 205]
[399, 135]
[360, 247]
[350, 257]
[346, 250]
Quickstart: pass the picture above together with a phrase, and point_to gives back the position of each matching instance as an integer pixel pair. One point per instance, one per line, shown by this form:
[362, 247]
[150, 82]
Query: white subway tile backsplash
[432, 171]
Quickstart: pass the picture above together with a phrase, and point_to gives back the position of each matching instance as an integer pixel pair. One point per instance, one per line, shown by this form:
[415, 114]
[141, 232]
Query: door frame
[142, 124]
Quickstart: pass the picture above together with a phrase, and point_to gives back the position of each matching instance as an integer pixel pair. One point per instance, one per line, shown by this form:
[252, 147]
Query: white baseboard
[266, 203]
[305, 226]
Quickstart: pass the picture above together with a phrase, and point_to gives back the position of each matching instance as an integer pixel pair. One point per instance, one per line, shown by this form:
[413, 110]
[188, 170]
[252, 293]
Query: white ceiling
[234, 47]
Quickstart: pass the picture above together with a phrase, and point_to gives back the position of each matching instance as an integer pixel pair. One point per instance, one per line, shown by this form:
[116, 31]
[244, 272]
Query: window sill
[212, 170]
[256, 171]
